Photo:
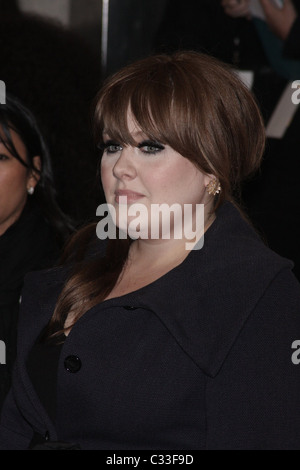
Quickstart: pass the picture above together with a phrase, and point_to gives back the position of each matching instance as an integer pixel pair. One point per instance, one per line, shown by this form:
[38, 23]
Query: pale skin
[279, 20]
[149, 174]
[163, 176]
[15, 180]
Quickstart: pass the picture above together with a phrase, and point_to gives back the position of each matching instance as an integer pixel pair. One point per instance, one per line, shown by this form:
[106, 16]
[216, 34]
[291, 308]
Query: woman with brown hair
[154, 333]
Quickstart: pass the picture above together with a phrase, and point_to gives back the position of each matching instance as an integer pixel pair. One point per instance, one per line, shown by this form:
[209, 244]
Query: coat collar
[205, 301]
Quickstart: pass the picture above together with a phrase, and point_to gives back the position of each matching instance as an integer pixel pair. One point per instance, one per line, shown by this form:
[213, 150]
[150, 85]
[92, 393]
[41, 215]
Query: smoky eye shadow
[151, 143]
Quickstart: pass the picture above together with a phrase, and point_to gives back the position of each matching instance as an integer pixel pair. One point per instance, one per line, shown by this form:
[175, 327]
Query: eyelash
[151, 144]
[3, 157]
[107, 147]
[112, 147]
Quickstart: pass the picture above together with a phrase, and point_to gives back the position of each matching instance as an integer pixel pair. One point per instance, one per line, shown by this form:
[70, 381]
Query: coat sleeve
[15, 433]
[22, 414]
[253, 403]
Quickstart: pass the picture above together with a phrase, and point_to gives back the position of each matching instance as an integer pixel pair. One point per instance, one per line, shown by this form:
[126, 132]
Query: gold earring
[213, 187]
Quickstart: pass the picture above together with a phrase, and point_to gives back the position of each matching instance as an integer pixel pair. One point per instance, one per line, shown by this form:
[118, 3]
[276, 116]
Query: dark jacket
[27, 245]
[199, 359]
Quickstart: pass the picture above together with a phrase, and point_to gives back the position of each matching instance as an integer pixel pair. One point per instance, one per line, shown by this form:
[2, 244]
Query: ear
[208, 178]
[34, 175]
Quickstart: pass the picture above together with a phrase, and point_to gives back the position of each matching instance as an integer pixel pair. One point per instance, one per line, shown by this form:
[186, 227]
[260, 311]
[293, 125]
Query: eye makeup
[110, 147]
[150, 147]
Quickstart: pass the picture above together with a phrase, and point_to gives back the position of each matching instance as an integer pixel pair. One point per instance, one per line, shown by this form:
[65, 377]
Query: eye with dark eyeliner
[150, 147]
[111, 147]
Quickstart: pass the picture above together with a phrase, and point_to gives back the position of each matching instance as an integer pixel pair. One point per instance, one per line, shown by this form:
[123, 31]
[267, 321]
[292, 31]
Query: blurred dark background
[53, 58]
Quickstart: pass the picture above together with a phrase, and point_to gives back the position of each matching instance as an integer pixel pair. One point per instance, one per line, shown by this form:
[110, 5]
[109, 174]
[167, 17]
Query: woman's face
[149, 173]
[15, 179]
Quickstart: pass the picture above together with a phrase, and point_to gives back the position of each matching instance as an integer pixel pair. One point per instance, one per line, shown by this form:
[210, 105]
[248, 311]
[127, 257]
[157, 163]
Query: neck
[158, 252]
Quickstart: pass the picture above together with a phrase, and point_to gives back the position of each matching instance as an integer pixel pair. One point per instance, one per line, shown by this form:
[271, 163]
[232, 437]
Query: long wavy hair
[15, 116]
[196, 105]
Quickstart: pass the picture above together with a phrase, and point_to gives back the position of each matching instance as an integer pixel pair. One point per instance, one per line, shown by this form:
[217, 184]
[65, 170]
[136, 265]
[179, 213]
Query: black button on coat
[72, 363]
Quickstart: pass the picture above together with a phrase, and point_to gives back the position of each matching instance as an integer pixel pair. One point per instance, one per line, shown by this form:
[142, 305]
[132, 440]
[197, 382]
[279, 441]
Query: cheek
[182, 183]
[14, 179]
[13, 190]
[104, 173]
[167, 179]
[107, 178]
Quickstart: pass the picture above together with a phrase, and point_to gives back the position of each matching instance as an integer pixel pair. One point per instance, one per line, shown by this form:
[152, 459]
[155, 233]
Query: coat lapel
[205, 302]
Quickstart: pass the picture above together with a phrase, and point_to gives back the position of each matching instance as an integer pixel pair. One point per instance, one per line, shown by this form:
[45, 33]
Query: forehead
[132, 128]
[132, 125]
[2, 134]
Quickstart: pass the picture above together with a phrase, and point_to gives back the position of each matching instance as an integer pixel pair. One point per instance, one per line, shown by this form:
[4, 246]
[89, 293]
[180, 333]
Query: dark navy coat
[202, 358]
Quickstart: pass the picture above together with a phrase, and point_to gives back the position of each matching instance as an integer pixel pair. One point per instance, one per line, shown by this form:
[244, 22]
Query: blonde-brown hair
[199, 107]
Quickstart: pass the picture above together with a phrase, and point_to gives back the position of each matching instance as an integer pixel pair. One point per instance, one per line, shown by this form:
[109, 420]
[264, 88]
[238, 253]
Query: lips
[125, 196]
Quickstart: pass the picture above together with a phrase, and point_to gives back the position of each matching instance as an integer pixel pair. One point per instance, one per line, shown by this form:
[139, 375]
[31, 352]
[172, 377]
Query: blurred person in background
[283, 22]
[33, 229]
[56, 74]
[227, 30]
[272, 198]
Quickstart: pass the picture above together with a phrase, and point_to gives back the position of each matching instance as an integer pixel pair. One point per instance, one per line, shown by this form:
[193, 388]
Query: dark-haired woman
[32, 227]
[161, 338]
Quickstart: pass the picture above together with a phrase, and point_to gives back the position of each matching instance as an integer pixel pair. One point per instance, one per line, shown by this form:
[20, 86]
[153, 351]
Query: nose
[124, 167]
